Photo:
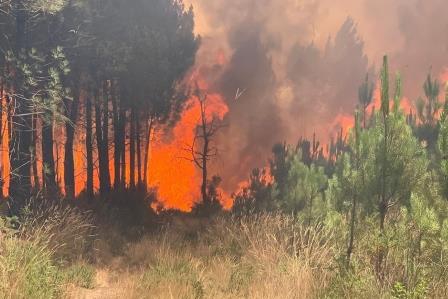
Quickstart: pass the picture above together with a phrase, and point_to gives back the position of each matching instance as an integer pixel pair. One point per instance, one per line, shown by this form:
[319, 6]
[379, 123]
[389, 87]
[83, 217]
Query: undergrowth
[56, 251]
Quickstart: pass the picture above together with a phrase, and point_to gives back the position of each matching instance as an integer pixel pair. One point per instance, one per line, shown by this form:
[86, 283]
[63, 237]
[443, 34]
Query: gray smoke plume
[300, 63]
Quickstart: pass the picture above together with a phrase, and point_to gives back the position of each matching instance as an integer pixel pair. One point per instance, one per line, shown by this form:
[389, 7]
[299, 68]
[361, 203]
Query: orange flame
[5, 167]
[171, 170]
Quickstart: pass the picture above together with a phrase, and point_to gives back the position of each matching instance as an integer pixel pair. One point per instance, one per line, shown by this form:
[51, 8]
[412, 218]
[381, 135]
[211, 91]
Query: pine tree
[398, 165]
[365, 96]
[301, 186]
[443, 148]
[385, 165]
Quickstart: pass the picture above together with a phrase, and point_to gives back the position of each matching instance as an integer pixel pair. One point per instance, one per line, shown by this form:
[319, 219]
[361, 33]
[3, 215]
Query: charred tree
[89, 149]
[202, 149]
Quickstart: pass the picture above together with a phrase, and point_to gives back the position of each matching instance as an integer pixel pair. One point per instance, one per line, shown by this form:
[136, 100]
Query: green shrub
[400, 291]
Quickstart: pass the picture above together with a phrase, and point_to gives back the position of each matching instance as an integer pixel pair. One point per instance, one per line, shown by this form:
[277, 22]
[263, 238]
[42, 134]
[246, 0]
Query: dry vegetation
[256, 256]
[265, 256]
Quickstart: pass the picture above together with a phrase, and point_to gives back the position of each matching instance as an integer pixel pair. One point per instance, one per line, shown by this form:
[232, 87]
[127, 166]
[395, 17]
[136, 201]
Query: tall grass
[261, 256]
[53, 254]
[269, 256]
[68, 231]
[27, 270]
[35, 256]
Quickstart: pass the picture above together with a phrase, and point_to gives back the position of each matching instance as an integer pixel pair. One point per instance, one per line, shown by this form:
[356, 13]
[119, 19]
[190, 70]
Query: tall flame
[171, 169]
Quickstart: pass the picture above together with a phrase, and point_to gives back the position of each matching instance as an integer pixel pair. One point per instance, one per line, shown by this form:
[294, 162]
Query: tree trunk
[132, 150]
[205, 153]
[20, 142]
[99, 142]
[139, 153]
[123, 147]
[105, 143]
[204, 176]
[34, 155]
[57, 172]
[117, 146]
[89, 149]
[48, 158]
[383, 201]
[364, 116]
[69, 163]
[102, 147]
[351, 242]
[149, 124]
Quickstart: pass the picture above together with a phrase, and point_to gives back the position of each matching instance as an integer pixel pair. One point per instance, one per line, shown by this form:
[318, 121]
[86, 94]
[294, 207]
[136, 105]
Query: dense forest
[103, 70]
[87, 87]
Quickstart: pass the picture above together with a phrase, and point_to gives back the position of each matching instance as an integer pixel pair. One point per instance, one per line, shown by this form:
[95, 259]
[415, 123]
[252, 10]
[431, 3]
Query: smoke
[298, 64]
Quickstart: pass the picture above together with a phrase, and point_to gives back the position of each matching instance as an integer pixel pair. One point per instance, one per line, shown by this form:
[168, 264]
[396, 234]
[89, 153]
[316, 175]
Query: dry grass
[266, 256]
[258, 256]
[35, 257]
[67, 231]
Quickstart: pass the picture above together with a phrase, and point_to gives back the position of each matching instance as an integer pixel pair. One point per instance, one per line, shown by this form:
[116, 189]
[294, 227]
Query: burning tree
[202, 149]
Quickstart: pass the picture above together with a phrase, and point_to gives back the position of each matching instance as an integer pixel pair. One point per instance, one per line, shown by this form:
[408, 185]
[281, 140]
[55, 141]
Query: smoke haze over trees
[300, 59]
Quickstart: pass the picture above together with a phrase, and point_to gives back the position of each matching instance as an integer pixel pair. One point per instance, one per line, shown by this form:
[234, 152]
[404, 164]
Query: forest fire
[317, 97]
[172, 172]
[188, 148]
[347, 121]
[172, 169]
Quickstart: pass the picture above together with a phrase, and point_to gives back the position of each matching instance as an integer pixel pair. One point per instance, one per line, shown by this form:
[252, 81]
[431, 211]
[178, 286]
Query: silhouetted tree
[202, 149]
